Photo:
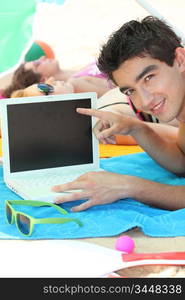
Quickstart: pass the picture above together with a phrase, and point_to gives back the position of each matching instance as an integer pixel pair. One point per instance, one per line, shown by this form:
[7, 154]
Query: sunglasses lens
[45, 88]
[9, 214]
[23, 223]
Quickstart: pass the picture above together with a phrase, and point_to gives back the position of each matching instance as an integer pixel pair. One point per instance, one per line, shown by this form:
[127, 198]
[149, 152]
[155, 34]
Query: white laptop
[46, 142]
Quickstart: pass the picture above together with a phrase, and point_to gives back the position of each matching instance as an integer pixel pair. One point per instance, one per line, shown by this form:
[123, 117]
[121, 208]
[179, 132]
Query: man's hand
[96, 187]
[110, 124]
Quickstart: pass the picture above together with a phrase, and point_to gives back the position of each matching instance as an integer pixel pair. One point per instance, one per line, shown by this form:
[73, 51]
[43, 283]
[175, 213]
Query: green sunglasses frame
[33, 220]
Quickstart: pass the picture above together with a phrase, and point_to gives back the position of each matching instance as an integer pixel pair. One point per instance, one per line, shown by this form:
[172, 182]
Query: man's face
[153, 86]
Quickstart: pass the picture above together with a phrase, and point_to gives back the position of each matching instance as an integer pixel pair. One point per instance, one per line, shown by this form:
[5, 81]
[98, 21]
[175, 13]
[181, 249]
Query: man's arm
[181, 137]
[167, 153]
[167, 131]
[105, 187]
[157, 194]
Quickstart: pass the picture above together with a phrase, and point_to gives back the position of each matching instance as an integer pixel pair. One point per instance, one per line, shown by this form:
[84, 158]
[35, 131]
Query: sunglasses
[25, 223]
[45, 88]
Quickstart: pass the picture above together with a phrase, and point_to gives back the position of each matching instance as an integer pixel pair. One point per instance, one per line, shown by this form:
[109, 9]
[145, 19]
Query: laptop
[46, 142]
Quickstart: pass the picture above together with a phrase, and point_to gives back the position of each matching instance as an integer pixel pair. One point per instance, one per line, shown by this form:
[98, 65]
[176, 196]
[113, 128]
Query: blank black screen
[48, 135]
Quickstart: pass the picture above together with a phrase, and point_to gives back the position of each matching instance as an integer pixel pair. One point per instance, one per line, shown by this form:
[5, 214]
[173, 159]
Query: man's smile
[158, 108]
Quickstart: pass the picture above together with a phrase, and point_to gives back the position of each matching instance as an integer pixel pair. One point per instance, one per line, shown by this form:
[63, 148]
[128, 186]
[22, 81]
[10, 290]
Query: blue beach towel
[106, 220]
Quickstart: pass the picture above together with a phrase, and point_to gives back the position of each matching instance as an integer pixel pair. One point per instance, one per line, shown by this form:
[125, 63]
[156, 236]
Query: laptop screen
[49, 135]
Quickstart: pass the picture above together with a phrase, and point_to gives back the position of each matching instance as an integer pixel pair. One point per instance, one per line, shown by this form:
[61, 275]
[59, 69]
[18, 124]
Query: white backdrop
[76, 29]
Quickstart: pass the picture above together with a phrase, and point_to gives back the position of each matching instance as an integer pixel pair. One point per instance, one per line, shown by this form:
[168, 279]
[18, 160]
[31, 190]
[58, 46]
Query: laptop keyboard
[51, 180]
[39, 186]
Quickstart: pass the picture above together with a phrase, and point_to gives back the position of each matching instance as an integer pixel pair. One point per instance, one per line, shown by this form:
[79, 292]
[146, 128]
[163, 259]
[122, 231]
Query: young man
[147, 61]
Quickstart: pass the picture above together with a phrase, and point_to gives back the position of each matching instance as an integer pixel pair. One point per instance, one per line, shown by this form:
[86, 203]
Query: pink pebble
[125, 243]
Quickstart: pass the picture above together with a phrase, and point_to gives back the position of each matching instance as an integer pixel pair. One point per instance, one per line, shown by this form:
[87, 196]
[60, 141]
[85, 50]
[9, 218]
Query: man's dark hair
[21, 79]
[151, 37]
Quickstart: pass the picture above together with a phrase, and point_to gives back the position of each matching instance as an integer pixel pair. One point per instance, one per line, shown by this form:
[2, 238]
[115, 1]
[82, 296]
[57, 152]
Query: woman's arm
[90, 84]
